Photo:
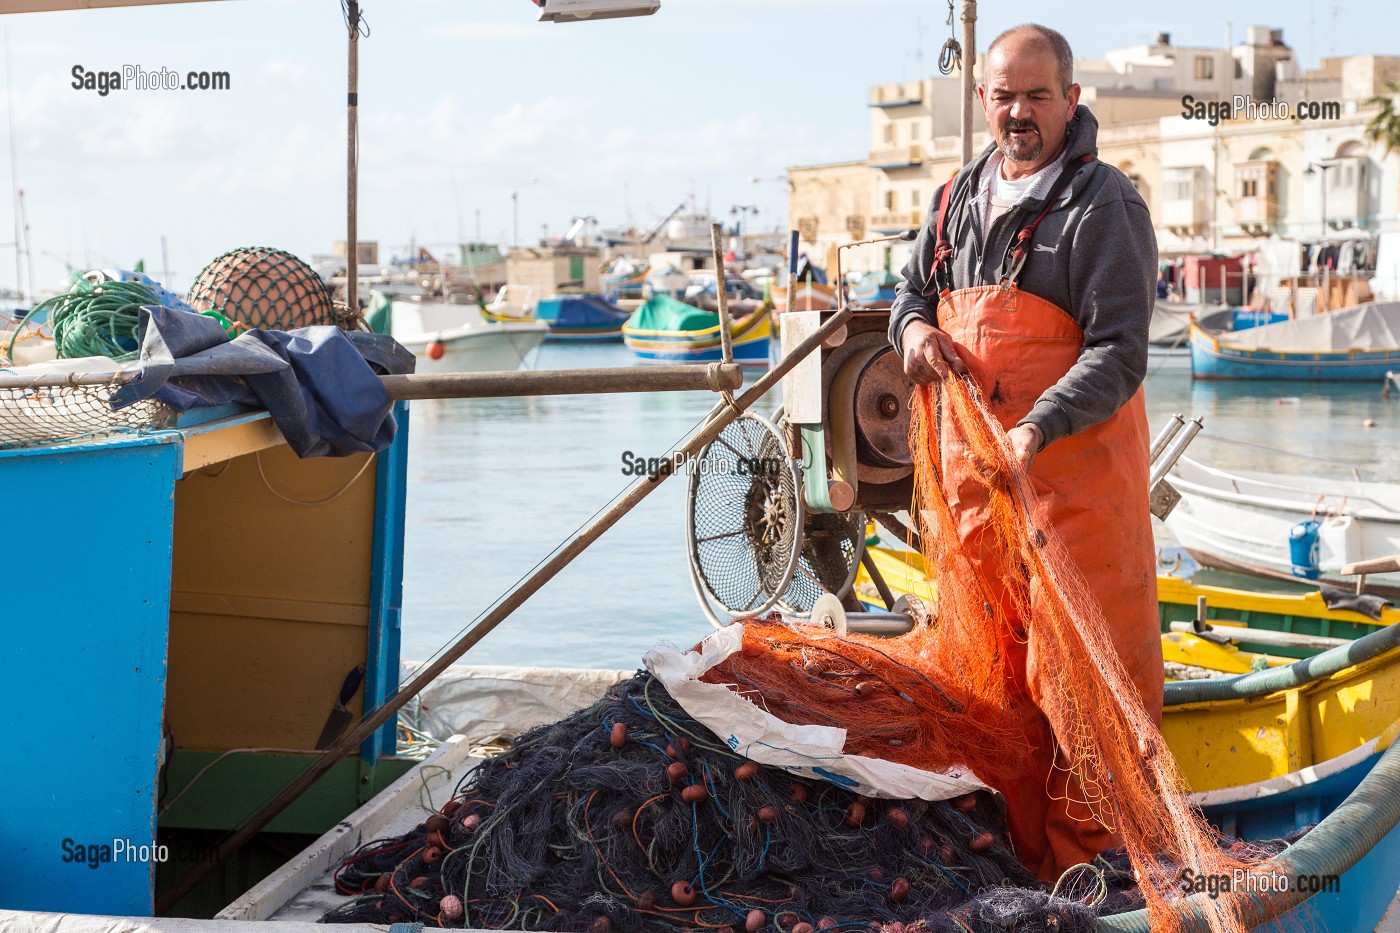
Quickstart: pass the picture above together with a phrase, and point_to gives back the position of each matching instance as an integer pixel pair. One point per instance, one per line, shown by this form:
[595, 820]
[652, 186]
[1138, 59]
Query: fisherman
[1035, 275]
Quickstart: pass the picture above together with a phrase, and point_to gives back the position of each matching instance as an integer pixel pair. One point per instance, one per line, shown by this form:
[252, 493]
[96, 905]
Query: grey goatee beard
[1022, 150]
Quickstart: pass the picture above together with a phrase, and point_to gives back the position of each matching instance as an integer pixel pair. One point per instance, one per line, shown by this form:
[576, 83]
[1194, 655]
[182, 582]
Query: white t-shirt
[1005, 193]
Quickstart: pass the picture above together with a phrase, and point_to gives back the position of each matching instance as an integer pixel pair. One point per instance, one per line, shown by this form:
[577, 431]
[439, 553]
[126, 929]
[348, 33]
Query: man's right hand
[929, 353]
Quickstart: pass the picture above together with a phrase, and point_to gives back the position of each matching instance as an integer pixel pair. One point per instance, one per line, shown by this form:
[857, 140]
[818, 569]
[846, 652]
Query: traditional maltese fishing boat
[667, 330]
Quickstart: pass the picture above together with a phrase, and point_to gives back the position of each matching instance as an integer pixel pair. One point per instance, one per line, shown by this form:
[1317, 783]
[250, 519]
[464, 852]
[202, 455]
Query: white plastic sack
[809, 751]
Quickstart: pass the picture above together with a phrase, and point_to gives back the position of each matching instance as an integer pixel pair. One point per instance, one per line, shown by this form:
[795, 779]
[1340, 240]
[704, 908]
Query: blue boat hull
[1213, 360]
[1358, 899]
[754, 353]
[581, 319]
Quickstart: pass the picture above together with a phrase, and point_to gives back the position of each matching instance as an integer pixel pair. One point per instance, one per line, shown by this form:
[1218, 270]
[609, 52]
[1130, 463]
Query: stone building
[1222, 187]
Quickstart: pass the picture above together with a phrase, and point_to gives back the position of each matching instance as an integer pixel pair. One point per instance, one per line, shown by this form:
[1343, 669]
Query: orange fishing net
[948, 695]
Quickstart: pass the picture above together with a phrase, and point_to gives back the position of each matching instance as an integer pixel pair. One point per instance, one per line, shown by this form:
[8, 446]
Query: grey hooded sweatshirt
[1094, 255]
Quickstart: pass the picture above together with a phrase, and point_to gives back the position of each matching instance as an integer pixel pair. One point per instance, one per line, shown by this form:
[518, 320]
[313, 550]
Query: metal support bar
[1174, 451]
[889, 624]
[348, 744]
[877, 578]
[1164, 437]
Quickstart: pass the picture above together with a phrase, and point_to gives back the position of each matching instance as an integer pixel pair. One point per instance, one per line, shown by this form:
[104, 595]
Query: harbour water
[496, 484]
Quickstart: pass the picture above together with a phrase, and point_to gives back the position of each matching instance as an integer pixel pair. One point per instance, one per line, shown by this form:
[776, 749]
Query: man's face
[1026, 108]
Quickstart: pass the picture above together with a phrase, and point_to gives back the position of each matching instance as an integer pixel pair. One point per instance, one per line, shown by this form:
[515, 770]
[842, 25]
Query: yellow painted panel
[1350, 709]
[1226, 744]
[255, 683]
[270, 598]
[233, 534]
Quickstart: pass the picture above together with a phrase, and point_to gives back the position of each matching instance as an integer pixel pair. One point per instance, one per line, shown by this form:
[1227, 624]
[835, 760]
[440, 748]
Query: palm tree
[1384, 127]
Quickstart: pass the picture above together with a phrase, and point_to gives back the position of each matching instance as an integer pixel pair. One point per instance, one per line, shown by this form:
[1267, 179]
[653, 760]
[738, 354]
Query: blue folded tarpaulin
[320, 384]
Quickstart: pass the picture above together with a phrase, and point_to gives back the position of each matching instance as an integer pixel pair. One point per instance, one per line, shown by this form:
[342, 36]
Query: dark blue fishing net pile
[630, 815]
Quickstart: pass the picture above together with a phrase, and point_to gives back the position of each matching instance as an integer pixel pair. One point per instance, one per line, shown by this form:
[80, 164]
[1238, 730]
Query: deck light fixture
[573, 11]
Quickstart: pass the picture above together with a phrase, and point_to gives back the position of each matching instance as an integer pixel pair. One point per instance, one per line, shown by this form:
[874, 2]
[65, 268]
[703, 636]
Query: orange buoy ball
[451, 907]
[618, 738]
[436, 348]
[755, 921]
[683, 893]
[746, 771]
[694, 793]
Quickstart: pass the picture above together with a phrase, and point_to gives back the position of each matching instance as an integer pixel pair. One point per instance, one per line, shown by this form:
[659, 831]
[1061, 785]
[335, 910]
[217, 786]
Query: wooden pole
[676, 377]
[726, 339]
[680, 377]
[352, 162]
[969, 59]
[349, 744]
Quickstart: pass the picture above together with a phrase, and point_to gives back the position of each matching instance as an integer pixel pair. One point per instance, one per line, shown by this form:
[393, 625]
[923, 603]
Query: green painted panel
[236, 787]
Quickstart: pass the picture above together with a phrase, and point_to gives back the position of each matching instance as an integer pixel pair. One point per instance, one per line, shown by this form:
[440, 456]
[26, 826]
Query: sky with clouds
[463, 102]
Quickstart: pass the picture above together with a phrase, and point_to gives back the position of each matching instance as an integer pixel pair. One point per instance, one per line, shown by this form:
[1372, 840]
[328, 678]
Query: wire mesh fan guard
[831, 549]
[744, 517]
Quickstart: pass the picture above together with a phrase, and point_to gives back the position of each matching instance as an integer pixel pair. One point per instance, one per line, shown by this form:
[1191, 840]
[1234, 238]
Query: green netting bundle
[97, 320]
[261, 287]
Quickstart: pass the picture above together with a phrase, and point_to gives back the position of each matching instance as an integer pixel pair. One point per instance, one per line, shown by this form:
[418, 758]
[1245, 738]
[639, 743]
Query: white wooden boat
[1259, 523]
[452, 338]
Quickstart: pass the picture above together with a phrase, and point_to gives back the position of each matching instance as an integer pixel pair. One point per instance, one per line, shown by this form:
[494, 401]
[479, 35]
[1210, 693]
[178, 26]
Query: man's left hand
[1025, 441]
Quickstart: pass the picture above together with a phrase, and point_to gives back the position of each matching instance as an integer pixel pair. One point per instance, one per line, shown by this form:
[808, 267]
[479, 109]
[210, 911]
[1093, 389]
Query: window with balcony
[1205, 67]
[1256, 194]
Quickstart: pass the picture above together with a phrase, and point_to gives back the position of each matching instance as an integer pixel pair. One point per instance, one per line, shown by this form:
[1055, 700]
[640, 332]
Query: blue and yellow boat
[666, 330]
[1269, 751]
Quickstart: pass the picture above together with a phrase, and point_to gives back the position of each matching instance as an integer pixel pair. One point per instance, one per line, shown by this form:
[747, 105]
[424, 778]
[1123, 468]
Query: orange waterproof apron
[1092, 489]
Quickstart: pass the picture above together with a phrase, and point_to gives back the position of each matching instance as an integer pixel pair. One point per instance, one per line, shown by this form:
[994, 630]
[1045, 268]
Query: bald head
[1037, 39]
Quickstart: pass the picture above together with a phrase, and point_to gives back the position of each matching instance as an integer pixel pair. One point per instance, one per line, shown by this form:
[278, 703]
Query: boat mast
[352, 173]
[969, 59]
[18, 201]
